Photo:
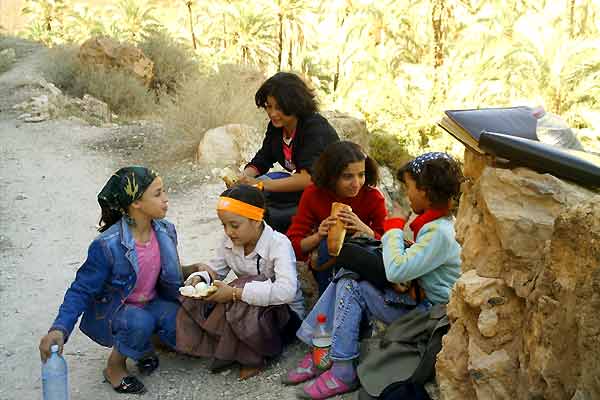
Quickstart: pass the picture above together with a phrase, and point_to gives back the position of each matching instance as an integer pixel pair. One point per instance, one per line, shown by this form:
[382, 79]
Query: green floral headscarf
[124, 187]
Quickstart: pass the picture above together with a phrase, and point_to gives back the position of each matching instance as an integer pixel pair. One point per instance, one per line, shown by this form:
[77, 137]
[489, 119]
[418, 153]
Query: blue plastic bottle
[55, 377]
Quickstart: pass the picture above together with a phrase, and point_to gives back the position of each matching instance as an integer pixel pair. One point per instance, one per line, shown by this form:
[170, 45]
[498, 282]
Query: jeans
[323, 278]
[134, 326]
[281, 206]
[345, 303]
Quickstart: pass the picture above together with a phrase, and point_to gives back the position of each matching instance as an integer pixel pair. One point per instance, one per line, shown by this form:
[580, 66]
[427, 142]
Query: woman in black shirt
[295, 137]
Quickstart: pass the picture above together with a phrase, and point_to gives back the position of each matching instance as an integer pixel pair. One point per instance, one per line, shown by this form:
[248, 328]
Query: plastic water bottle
[552, 129]
[55, 377]
[321, 344]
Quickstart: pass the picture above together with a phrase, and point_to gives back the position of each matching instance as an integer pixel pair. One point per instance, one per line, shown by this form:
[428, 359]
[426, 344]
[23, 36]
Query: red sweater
[315, 206]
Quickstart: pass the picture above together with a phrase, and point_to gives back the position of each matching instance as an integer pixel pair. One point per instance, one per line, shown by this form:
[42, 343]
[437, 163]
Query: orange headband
[240, 208]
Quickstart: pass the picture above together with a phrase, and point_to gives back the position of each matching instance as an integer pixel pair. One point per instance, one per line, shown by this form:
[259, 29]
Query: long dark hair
[335, 158]
[108, 218]
[293, 95]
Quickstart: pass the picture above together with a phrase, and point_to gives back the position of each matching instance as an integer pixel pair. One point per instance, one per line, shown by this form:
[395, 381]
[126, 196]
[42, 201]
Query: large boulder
[109, 53]
[349, 127]
[234, 145]
[228, 146]
[524, 320]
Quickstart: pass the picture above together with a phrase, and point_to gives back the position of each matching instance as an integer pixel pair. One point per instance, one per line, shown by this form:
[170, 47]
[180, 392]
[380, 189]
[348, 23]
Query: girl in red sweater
[343, 173]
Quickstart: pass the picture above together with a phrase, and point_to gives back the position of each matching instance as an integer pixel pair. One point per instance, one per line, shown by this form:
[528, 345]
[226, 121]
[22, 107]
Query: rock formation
[525, 321]
[109, 53]
[235, 144]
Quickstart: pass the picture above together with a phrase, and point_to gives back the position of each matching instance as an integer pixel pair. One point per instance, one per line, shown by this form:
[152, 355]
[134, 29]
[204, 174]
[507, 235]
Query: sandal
[325, 386]
[129, 384]
[304, 371]
[147, 365]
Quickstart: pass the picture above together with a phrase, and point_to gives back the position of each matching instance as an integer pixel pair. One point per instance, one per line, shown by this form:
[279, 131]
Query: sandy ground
[50, 173]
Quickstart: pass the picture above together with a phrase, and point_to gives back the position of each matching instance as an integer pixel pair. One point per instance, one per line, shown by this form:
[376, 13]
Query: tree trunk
[291, 54]
[571, 19]
[280, 53]
[336, 76]
[437, 17]
[189, 6]
[224, 32]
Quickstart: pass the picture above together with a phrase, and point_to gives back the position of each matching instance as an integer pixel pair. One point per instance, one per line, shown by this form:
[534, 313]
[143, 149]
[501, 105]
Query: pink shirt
[148, 255]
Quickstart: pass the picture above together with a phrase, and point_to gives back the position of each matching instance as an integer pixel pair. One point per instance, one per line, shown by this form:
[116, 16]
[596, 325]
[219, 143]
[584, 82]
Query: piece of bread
[337, 233]
[229, 182]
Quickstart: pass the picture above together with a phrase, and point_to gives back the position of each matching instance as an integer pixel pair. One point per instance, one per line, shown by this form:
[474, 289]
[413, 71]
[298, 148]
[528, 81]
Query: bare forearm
[294, 183]
[310, 242]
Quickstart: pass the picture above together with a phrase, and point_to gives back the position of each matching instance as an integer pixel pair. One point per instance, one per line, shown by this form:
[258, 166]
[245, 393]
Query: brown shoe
[248, 372]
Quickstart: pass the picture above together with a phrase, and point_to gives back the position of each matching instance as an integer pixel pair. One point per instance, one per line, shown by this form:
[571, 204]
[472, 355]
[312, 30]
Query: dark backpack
[414, 339]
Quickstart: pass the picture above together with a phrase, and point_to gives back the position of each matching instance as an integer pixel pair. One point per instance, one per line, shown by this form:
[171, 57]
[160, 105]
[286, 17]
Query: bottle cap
[321, 318]
[538, 112]
[54, 348]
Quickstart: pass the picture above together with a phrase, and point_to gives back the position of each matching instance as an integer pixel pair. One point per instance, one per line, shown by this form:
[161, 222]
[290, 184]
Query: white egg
[201, 289]
[187, 291]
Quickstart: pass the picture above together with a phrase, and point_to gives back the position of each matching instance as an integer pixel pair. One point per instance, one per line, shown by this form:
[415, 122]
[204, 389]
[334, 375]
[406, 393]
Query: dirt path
[49, 177]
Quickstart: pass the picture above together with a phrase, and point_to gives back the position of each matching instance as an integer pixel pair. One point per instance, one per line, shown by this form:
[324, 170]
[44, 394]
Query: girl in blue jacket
[127, 288]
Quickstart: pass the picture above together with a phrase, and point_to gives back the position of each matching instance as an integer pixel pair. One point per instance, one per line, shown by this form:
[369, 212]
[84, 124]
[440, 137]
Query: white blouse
[272, 257]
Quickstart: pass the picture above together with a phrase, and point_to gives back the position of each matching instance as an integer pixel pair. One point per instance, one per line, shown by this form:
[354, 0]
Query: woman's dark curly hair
[335, 158]
[293, 96]
[439, 176]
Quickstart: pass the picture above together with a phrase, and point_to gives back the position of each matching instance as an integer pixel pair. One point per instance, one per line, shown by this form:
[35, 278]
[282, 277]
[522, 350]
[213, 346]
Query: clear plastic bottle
[55, 377]
[321, 344]
[552, 129]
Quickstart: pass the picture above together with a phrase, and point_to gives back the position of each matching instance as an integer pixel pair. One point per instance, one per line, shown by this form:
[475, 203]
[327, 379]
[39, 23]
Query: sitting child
[250, 319]
[432, 181]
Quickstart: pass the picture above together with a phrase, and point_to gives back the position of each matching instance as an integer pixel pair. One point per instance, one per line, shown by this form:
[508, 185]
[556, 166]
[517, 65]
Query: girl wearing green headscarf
[127, 289]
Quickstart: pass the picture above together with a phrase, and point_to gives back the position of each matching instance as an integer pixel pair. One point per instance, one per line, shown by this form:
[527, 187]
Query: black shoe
[217, 365]
[130, 385]
[146, 365]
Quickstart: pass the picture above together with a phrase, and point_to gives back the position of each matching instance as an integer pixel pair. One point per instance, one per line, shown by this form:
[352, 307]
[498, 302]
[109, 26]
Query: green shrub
[389, 150]
[8, 54]
[174, 63]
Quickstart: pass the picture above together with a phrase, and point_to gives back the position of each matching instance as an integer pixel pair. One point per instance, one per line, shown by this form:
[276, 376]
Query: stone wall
[525, 320]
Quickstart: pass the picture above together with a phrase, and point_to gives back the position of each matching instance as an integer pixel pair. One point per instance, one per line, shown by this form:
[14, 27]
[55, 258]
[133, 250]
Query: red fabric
[427, 216]
[315, 206]
[393, 223]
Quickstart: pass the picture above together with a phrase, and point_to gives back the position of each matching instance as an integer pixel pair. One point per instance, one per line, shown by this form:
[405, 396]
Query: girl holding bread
[343, 174]
[252, 317]
[432, 181]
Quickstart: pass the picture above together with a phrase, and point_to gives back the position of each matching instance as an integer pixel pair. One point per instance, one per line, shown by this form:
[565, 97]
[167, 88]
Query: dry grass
[221, 98]
[123, 93]
[174, 62]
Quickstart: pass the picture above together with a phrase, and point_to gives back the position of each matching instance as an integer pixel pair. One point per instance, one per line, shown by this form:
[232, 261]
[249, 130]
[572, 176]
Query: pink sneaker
[325, 386]
[304, 371]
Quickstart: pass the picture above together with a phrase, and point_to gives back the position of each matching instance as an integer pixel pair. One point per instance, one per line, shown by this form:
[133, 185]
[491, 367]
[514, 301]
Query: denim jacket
[108, 277]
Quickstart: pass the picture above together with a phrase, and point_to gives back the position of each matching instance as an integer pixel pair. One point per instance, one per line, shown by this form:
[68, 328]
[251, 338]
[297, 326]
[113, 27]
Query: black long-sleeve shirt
[313, 135]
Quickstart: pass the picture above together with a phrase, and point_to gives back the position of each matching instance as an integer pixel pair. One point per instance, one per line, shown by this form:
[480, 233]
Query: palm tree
[133, 19]
[47, 19]
[189, 4]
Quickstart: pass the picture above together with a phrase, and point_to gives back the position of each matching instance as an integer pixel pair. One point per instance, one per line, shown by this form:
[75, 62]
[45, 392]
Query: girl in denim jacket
[128, 286]
[432, 180]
